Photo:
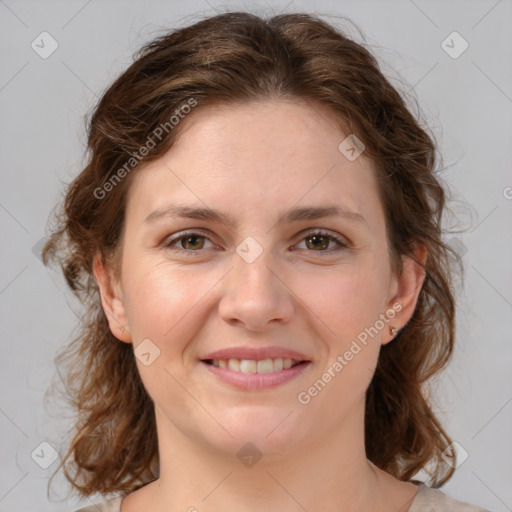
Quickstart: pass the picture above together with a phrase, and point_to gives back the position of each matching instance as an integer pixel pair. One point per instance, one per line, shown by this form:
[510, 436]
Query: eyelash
[169, 242]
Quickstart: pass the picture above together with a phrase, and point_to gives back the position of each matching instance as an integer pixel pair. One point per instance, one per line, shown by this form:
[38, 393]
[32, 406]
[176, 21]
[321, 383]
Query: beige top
[426, 500]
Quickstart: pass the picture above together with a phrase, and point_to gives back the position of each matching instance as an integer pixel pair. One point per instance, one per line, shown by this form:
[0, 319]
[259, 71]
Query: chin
[272, 431]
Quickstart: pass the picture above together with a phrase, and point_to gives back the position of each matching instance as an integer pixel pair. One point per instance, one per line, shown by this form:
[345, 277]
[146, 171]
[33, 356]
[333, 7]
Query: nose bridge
[256, 275]
[253, 292]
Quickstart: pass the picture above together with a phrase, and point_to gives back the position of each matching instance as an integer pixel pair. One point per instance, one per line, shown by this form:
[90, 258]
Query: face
[294, 265]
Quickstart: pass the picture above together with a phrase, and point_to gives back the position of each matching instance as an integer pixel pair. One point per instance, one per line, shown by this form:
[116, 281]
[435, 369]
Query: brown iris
[319, 241]
[194, 242]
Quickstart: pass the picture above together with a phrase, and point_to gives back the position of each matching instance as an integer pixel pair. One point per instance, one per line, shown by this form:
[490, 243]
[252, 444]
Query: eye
[191, 242]
[318, 241]
[315, 241]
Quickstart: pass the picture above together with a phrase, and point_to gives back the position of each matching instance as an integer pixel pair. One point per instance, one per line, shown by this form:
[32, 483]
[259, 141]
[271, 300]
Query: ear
[111, 300]
[404, 291]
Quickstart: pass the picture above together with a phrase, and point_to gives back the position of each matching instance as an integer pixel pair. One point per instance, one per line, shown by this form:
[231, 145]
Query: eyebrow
[293, 215]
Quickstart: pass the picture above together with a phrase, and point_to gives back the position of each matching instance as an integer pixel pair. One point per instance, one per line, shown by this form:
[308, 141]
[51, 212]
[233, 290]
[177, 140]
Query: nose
[255, 295]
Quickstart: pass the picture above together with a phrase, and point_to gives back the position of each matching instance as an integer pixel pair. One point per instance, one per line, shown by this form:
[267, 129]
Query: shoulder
[434, 500]
[111, 505]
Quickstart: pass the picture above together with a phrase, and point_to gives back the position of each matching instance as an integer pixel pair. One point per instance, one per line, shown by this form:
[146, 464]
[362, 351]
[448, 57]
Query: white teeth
[265, 366]
[248, 366]
[278, 364]
[253, 366]
[234, 364]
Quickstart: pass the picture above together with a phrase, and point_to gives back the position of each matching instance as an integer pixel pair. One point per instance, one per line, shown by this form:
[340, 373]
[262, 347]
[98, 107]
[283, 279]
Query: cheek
[164, 307]
[347, 303]
[159, 300]
[346, 298]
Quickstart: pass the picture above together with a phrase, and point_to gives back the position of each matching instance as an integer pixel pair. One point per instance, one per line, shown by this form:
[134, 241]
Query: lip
[255, 381]
[256, 353]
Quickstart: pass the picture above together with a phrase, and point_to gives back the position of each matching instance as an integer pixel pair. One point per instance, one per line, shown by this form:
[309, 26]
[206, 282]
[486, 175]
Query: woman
[257, 241]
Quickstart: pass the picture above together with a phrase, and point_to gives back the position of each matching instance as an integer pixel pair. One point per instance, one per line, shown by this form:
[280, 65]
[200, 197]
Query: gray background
[467, 101]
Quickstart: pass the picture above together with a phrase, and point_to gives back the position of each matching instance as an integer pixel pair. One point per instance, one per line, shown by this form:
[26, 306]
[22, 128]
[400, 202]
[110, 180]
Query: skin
[253, 162]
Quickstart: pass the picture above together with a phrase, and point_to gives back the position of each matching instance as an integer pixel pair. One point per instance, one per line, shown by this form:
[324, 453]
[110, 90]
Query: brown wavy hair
[236, 58]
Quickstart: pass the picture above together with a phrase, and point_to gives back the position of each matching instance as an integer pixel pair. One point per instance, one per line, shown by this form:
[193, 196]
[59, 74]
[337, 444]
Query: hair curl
[237, 58]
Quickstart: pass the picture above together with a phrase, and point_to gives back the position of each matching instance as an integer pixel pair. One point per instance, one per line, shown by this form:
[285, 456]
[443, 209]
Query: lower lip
[256, 381]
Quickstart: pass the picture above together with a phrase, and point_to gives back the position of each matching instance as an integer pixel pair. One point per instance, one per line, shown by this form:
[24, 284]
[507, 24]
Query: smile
[251, 374]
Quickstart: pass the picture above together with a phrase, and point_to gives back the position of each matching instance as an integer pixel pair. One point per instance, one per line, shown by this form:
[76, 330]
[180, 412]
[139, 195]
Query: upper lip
[256, 353]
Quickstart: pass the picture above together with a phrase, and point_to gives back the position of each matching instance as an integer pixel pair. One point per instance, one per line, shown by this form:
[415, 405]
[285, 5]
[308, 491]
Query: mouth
[255, 374]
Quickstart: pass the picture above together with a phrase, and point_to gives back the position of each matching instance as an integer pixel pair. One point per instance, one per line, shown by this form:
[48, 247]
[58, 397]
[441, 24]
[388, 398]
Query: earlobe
[407, 286]
[111, 300]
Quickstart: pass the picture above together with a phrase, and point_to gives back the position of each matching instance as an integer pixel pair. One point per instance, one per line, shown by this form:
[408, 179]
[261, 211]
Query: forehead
[257, 157]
